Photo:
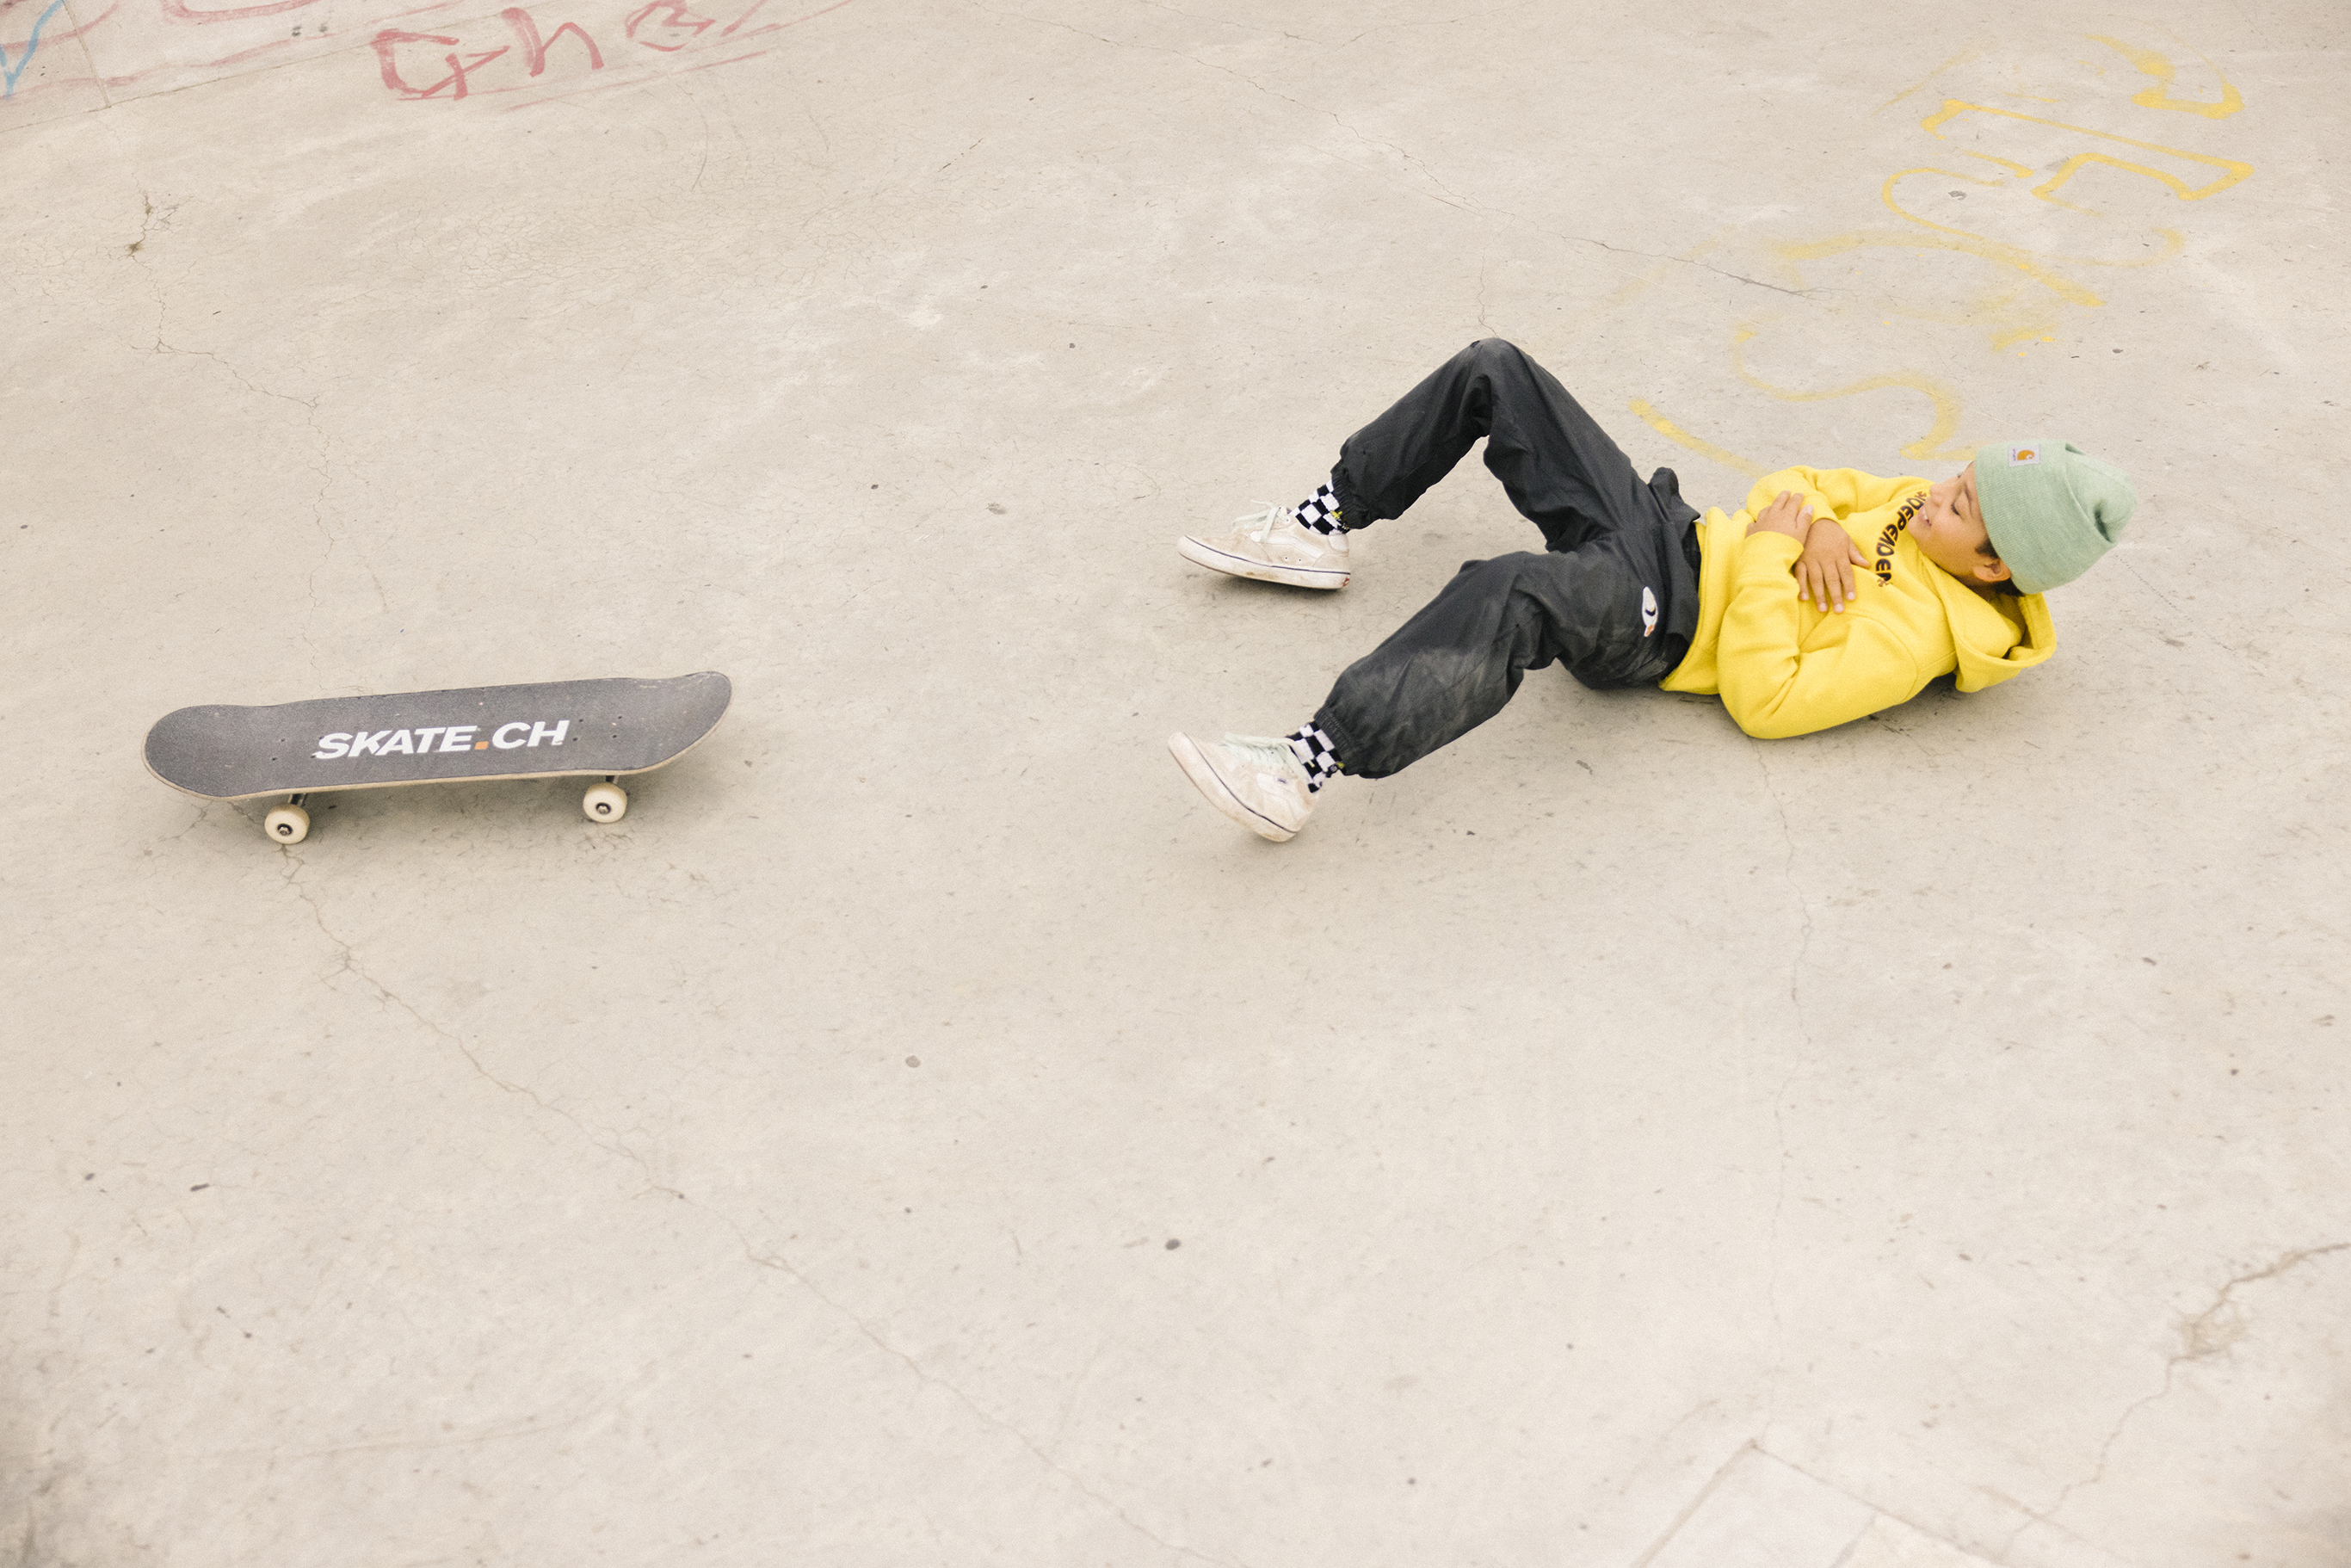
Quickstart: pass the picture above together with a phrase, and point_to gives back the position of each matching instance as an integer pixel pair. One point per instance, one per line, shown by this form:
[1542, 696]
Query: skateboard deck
[556, 729]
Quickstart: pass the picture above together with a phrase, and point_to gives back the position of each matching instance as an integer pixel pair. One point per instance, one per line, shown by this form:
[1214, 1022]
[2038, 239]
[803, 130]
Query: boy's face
[1950, 531]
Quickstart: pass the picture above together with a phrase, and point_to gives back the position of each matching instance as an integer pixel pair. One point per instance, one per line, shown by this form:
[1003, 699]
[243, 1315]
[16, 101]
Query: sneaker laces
[1272, 517]
[1267, 752]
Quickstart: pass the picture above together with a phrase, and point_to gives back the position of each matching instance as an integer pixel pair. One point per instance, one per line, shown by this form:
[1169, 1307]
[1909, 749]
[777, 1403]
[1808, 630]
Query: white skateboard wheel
[286, 825]
[605, 802]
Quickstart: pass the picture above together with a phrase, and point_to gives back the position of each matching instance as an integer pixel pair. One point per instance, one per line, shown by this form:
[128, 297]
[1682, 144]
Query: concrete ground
[923, 1132]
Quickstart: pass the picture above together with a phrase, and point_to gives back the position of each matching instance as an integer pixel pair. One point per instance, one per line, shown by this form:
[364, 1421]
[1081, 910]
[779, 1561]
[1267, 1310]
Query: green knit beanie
[2051, 511]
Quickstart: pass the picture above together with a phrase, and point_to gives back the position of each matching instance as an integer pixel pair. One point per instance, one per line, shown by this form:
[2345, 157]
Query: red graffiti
[534, 49]
[390, 38]
[178, 12]
[675, 19]
[418, 66]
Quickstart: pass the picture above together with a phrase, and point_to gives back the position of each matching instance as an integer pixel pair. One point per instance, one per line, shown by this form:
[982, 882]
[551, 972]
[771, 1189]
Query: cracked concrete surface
[920, 1131]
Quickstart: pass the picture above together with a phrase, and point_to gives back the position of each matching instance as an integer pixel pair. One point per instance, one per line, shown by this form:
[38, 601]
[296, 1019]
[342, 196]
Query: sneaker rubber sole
[1201, 553]
[1205, 779]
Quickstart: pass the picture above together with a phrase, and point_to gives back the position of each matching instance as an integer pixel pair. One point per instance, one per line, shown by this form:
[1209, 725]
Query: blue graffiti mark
[8, 73]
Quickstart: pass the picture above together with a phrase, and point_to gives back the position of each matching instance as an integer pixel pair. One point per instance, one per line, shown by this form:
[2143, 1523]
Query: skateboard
[553, 730]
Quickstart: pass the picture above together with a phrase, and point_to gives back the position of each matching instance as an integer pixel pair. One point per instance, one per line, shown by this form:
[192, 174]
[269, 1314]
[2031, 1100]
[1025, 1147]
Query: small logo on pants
[1648, 612]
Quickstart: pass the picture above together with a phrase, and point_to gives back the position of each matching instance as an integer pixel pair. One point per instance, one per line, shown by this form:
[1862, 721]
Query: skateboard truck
[290, 824]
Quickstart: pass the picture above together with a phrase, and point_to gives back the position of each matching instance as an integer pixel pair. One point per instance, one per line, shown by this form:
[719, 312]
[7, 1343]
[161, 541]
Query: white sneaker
[1274, 545]
[1258, 782]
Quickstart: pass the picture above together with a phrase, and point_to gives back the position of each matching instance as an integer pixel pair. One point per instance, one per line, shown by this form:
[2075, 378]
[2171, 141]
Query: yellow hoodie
[1784, 668]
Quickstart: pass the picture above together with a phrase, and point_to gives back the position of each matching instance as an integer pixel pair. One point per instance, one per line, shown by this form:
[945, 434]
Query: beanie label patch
[2017, 457]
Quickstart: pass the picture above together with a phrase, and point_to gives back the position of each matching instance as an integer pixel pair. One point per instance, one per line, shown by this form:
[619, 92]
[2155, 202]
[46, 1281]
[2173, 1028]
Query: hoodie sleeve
[1775, 687]
[1832, 492]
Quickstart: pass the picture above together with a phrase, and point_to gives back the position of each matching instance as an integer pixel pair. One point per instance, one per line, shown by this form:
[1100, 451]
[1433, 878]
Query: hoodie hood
[1985, 636]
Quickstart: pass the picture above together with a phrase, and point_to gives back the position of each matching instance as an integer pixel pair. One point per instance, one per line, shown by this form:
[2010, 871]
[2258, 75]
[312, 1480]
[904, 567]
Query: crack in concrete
[529, 1427]
[65, 1277]
[349, 963]
[1438, 21]
[1691, 1508]
[1881, 1511]
[1703, 266]
[2206, 1335]
[1779, 1095]
[1077, 1384]
[148, 223]
[784, 1266]
[203, 813]
[1221, 22]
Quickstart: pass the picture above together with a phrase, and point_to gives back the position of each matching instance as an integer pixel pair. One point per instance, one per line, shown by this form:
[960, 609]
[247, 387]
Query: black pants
[1612, 596]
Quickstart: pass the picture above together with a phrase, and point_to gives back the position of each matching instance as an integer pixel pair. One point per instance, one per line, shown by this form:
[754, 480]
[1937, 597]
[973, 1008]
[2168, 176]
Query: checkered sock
[1315, 750]
[1319, 511]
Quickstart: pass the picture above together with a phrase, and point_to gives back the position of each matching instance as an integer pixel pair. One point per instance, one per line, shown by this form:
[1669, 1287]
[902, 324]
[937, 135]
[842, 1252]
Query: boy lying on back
[1763, 606]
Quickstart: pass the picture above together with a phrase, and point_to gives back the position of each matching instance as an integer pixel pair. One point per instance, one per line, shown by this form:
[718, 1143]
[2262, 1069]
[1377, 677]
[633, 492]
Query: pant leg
[1453, 665]
[1560, 468]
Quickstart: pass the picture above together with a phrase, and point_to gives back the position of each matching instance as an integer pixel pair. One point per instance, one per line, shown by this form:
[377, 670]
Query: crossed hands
[1825, 571]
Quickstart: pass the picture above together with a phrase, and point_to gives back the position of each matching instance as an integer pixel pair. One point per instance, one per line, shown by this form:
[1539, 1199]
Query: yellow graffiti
[2174, 241]
[2021, 170]
[2150, 64]
[1665, 266]
[2231, 171]
[2019, 305]
[1704, 448]
[2015, 74]
[1935, 444]
[2009, 321]
[1972, 244]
